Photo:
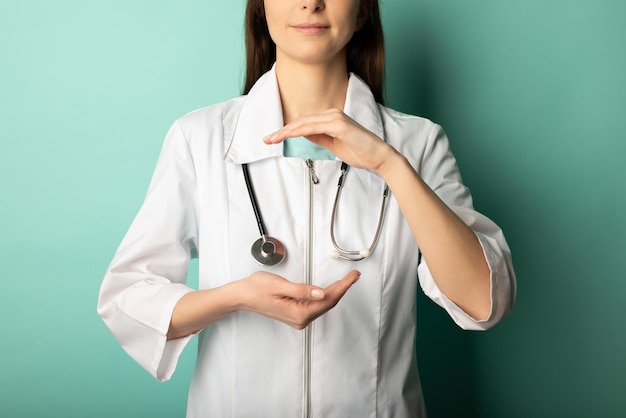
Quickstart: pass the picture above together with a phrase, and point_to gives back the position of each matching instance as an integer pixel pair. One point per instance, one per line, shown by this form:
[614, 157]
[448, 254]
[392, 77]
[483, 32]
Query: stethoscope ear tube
[340, 253]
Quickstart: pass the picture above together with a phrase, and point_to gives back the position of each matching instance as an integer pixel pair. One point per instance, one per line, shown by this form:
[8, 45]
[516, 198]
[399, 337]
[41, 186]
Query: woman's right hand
[295, 304]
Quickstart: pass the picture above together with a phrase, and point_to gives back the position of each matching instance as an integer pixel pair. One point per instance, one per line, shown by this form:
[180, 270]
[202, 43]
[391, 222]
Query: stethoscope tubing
[353, 255]
[270, 251]
[253, 201]
[267, 251]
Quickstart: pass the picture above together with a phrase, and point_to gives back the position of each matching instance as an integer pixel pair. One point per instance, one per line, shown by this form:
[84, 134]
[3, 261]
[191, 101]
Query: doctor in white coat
[314, 335]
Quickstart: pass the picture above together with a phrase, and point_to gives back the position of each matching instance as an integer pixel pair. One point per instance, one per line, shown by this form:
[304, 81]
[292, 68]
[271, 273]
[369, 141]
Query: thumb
[300, 291]
[317, 293]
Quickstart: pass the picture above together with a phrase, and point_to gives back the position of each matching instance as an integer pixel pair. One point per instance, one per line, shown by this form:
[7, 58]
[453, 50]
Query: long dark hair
[365, 51]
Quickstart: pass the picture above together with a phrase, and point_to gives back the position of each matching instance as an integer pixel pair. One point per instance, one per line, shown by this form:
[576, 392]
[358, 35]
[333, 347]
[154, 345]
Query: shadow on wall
[444, 351]
[445, 361]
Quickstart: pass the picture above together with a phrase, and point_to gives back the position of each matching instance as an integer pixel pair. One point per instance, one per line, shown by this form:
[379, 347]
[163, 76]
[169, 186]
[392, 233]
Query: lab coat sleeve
[148, 273]
[439, 170]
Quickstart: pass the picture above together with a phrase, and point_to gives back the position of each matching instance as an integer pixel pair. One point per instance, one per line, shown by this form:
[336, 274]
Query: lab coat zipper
[313, 180]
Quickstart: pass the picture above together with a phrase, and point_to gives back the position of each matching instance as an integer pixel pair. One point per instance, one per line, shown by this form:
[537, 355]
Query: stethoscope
[269, 251]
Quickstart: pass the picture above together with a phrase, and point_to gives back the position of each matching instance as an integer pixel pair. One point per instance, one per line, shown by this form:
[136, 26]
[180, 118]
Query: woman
[348, 349]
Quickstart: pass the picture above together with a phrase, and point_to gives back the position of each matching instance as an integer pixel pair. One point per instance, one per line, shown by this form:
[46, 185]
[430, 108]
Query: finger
[334, 293]
[300, 291]
[308, 312]
[340, 287]
[321, 140]
[328, 123]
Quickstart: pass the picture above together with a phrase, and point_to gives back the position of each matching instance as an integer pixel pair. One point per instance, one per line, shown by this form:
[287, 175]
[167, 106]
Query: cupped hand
[341, 135]
[295, 304]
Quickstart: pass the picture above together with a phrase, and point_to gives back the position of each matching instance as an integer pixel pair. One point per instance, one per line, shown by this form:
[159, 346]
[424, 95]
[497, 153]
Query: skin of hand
[341, 135]
[295, 304]
[451, 249]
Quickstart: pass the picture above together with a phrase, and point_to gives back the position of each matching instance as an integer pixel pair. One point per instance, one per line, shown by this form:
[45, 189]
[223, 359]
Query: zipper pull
[314, 178]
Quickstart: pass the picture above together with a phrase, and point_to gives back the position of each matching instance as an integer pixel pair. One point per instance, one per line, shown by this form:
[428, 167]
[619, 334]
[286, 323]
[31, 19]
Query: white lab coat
[361, 353]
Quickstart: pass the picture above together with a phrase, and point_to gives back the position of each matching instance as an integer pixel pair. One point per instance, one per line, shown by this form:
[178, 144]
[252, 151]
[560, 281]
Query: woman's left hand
[440, 234]
[341, 135]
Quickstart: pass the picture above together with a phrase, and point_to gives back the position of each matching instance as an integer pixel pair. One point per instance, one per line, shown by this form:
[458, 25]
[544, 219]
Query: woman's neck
[307, 89]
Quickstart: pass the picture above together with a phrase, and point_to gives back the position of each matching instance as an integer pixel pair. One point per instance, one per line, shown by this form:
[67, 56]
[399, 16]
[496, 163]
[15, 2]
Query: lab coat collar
[261, 115]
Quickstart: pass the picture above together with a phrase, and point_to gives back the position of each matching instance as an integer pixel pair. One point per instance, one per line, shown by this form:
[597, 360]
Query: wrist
[238, 295]
[391, 161]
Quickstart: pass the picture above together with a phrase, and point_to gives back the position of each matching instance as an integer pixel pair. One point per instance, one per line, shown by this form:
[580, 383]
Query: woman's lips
[310, 28]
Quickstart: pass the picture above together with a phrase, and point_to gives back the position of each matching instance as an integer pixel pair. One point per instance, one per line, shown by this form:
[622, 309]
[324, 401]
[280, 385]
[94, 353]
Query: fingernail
[317, 294]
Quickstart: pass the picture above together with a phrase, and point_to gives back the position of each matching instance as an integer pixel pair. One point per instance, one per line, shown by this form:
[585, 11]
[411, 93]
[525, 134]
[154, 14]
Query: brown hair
[365, 51]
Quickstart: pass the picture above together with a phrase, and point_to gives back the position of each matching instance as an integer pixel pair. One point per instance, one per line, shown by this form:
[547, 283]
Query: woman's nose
[313, 5]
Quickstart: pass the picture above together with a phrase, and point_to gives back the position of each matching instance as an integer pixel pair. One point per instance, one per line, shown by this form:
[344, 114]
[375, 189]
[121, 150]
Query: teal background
[532, 94]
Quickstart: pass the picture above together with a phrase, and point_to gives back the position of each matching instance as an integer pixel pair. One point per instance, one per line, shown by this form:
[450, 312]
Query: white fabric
[363, 351]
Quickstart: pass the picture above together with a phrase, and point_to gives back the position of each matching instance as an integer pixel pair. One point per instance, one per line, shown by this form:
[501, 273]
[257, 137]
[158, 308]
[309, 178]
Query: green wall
[532, 94]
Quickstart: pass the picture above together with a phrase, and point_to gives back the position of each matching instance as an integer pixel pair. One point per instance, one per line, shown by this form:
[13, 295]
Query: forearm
[198, 309]
[451, 249]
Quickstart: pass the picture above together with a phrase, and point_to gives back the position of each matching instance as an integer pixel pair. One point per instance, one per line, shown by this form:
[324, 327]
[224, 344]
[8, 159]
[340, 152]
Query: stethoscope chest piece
[268, 251]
